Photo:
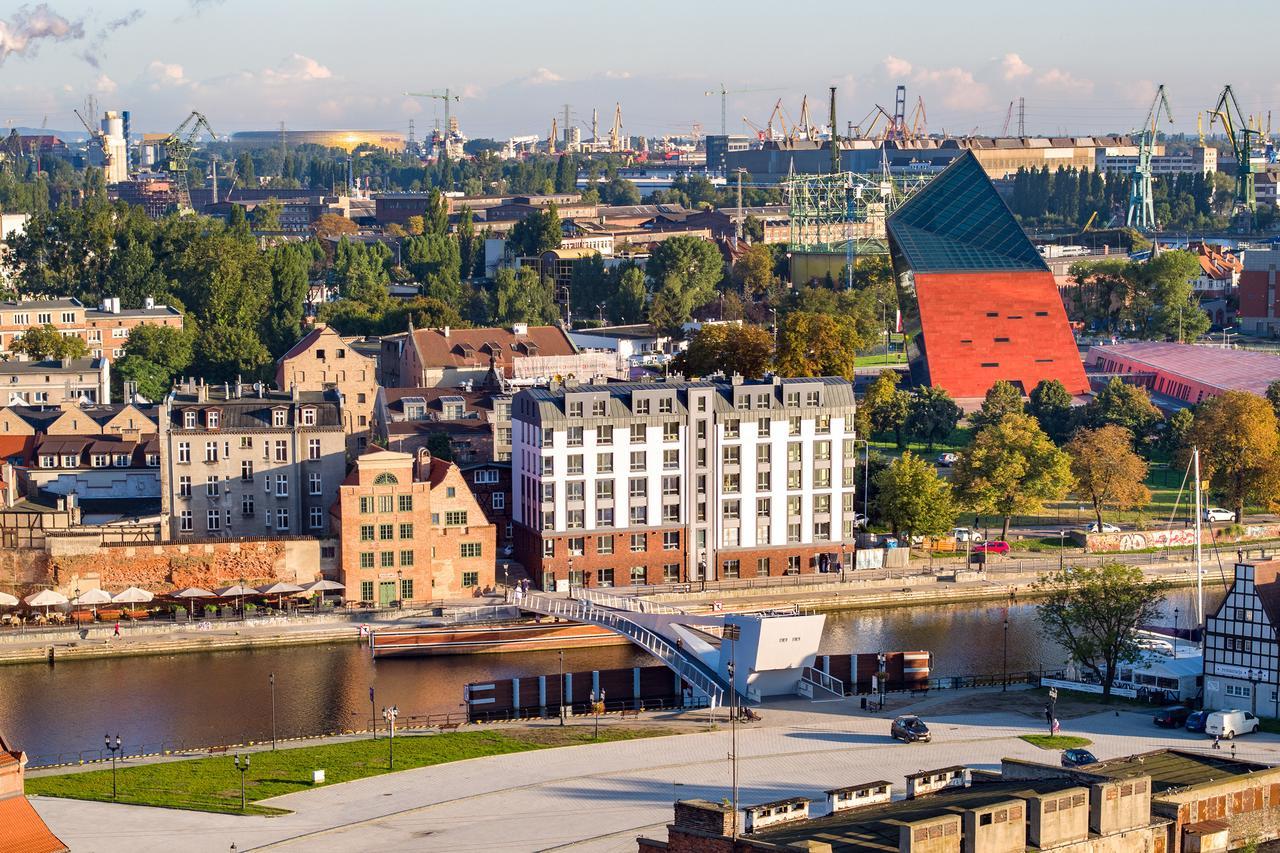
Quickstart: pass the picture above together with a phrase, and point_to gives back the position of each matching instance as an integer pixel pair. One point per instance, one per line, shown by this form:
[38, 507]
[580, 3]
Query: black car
[1077, 757]
[1172, 717]
[909, 729]
[1196, 721]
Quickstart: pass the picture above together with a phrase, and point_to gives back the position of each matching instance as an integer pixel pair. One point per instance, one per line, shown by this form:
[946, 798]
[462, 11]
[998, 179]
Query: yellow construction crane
[615, 132]
[724, 100]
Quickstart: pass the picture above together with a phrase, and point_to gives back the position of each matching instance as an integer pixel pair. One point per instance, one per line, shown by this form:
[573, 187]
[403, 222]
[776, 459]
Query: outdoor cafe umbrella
[7, 600]
[238, 590]
[132, 595]
[45, 598]
[190, 594]
[281, 589]
[92, 599]
[321, 587]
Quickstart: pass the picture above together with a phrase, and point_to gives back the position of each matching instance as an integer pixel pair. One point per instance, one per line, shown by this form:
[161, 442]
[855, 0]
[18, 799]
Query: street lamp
[390, 714]
[1175, 633]
[272, 679]
[731, 635]
[1005, 659]
[114, 747]
[243, 768]
[241, 597]
[400, 587]
[597, 705]
[562, 687]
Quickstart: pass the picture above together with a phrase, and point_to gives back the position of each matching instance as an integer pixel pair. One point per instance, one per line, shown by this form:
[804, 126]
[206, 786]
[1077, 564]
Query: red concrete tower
[980, 299]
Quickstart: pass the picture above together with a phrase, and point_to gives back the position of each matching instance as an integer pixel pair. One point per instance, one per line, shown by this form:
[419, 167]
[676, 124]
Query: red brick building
[981, 302]
[410, 530]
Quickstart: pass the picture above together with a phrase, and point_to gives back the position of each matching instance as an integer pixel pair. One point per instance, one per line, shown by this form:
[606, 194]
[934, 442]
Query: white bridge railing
[698, 676]
[820, 679]
[626, 602]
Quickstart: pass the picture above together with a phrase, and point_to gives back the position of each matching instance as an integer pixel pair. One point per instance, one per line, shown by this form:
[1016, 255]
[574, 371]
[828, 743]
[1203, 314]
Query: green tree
[911, 498]
[567, 174]
[753, 272]
[685, 271]
[1123, 405]
[887, 406]
[1107, 473]
[537, 233]
[470, 245]
[167, 347]
[818, 345]
[1239, 449]
[1050, 405]
[244, 170]
[524, 297]
[438, 445]
[266, 217]
[1011, 468]
[153, 381]
[1094, 614]
[290, 265]
[627, 303]
[932, 415]
[45, 342]
[728, 348]
[1003, 398]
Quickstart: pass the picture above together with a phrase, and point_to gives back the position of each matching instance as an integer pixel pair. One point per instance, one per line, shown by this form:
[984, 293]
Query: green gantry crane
[1142, 214]
[1238, 132]
[178, 147]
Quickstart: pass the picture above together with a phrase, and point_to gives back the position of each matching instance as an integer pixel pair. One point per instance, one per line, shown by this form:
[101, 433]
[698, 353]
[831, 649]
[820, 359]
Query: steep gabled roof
[959, 223]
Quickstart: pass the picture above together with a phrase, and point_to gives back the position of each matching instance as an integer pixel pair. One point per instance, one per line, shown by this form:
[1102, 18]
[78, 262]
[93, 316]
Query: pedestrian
[1217, 744]
[117, 632]
[1056, 725]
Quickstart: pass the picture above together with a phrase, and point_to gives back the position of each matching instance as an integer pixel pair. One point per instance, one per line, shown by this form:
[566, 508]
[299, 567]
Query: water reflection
[222, 697]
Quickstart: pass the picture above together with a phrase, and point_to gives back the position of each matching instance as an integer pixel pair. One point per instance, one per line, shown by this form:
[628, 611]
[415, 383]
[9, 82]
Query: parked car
[1196, 720]
[946, 460]
[1217, 513]
[1107, 527]
[909, 729]
[964, 534]
[1228, 724]
[995, 546]
[859, 520]
[1077, 757]
[1173, 717]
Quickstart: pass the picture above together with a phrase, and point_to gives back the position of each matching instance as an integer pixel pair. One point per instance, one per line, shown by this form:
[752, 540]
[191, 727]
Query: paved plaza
[599, 798]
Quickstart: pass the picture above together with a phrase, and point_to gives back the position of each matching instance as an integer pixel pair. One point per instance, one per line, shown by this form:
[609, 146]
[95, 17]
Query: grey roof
[157, 311]
[253, 412]
[36, 304]
[75, 365]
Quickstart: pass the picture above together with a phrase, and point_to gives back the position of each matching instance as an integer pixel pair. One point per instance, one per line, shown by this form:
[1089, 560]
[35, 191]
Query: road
[597, 799]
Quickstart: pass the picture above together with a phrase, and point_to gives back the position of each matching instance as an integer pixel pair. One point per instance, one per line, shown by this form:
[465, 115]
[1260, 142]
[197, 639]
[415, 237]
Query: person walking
[117, 631]
[1217, 744]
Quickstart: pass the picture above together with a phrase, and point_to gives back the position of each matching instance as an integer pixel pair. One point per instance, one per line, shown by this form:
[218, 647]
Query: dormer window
[48, 462]
[70, 461]
[189, 420]
[211, 418]
[279, 417]
[99, 460]
[308, 417]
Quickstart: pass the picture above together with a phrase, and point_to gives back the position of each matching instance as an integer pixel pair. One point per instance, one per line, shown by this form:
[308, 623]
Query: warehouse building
[1179, 375]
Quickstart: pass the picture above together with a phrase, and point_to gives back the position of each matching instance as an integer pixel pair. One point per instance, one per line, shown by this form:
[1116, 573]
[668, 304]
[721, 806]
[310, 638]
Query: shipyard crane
[97, 142]
[1141, 207]
[1228, 112]
[615, 132]
[178, 147]
[1008, 117]
[724, 101]
[445, 96]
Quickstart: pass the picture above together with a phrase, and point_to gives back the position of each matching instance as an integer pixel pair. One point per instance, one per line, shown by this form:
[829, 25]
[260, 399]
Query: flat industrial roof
[1227, 369]
[1175, 769]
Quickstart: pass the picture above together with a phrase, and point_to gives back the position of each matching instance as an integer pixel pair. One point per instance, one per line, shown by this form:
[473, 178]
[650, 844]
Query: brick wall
[161, 567]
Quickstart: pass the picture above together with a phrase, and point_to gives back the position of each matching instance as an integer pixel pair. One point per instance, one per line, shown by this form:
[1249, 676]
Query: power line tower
[1141, 208]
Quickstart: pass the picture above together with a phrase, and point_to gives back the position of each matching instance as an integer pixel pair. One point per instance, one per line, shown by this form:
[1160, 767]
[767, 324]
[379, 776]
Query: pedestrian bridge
[773, 655]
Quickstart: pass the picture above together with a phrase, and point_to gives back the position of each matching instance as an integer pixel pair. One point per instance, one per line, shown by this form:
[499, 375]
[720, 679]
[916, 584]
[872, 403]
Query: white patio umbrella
[92, 599]
[132, 595]
[45, 598]
[321, 586]
[281, 589]
[7, 600]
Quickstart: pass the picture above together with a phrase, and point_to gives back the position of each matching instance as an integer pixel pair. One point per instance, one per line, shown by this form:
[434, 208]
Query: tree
[753, 272]
[333, 225]
[818, 345]
[911, 498]
[685, 271]
[1093, 614]
[1106, 470]
[1273, 396]
[45, 342]
[282, 326]
[524, 297]
[932, 415]
[266, 217]
[1123, 405]
[627, 303]
[728, 348]
[438, 446]
[886, 405]
[1239, 449]
[1003, 398]
[153, 356]
[1012, 467]
[537, 233]
[1050, 405]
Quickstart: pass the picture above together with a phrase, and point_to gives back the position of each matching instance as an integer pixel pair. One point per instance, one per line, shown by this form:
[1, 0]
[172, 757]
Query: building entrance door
[386, 593]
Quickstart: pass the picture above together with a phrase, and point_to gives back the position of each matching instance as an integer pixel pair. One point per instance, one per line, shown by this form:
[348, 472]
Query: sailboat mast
[1195, 470]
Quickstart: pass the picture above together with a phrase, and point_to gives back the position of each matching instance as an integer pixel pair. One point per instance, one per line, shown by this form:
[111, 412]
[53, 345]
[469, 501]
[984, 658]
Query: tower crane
[615, 132]
[97, 142]
[1141, 208]
[1233, 122]
[179, 146]
[445, 96]
[724, 100]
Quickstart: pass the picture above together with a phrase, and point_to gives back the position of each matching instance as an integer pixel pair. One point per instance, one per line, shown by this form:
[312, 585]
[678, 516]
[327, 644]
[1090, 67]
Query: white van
[1228, 724]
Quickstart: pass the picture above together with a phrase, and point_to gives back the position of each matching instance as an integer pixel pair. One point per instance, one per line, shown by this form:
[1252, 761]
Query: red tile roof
[23, 829]
[474, 347]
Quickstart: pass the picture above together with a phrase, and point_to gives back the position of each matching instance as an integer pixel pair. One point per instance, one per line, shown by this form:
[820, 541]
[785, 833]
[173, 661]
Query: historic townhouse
[241, 461]
[673, 481]
[1240, 643]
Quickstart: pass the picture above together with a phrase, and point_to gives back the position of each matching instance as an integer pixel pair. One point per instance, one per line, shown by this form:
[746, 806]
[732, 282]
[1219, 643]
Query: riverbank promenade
[597, 798]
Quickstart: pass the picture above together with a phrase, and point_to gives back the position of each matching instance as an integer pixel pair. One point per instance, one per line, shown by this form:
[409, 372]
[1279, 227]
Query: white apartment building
[666, 482]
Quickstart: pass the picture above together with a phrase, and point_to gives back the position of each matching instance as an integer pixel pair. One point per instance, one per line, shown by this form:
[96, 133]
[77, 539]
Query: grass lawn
[1056, 741]
[213, 784]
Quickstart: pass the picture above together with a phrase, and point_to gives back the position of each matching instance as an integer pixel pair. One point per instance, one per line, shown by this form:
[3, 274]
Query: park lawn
[213, 784]
[1056, 741]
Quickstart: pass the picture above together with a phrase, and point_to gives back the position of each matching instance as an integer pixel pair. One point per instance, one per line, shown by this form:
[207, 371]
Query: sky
[1082, 67]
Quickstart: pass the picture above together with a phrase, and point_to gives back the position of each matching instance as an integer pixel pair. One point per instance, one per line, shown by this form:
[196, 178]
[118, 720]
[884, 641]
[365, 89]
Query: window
[637, 575]
[282, 486]
[731, 537]
[574, 490]
[731, 509]
[213, 520]
[482, 475]
[637, 542]
[246, 470]
[211, 419]
[469, 549]
[604, 463]
[793, 532]
[366, 562]
[282, 519]
[702, 430]
[189, 419]
[731, 429]
[642, 407]
[406, 502]
[575, 435]
[822, 450]
[762, 567]
[184, 521]
[637, 460]
[313, 448]
[211, 487]
[211, 451]
[670, 513]
[576, 519]
[793, 565]
[387, 559]
[548, 466]
[604, 434]
[671, 431]
[604, 490]
[822, 423]
[671, 460]
[638, 487]
[604, 544]
[366, 505]
[548, 492]
[406, 530]
[732, 483]
[671, 540]
[604, 577]
[763, 426]
[456, 518]
[315, 518]
[793, 425]
[639, 515]
[577, 546]
[598, 409]
[282, 450]
[184, 487]
[763, 507]
[575, 463]
[366, 533]
[671, 573]
[575, 409]
[637, 433]
[731, 569]
[246, 442]
[821, 478]
[499, 500]
[314, 484]
[604, 517]
[743, 402]
[279, 418]
[764, 481]
[470, 579]
[821, 531]
[386, 531]
[548, 547]
[406, 584]
[732, 455]
[366, 587]
[822, 503]
[671, 485]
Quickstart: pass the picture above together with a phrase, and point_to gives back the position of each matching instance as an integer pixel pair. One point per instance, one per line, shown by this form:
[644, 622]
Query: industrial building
[978, 298]
[1257, 287]
[1179, 375]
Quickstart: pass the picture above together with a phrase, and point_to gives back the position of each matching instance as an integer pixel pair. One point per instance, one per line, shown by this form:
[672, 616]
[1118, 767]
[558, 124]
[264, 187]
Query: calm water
[224, 697]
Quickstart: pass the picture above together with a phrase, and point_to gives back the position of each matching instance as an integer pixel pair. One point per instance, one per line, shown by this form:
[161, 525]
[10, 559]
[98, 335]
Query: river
[224, 697]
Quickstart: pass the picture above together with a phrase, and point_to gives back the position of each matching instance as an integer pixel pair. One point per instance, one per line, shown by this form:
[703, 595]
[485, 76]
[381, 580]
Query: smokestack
[835, 136]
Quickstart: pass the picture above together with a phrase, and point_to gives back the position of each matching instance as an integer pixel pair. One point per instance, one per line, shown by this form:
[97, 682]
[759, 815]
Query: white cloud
[1013, 67]
[956, 86]
[895, 67]
[165, 74]
[617, 75]
[1064, 81]
[542, 76]
[28, 26]
[105, 84]
[297, 69]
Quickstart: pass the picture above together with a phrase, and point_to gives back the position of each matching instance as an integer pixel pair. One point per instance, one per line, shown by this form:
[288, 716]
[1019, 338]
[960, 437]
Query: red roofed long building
[980, 299]
[21, 829]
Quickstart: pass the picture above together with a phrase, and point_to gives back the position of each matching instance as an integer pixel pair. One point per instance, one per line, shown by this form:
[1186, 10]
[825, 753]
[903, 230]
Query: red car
[995, 546]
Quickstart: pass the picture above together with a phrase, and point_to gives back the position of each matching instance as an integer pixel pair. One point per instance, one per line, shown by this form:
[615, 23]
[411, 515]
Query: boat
[489, 639]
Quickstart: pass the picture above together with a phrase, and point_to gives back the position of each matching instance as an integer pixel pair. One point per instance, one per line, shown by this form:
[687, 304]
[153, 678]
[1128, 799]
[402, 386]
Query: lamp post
[272, 679]
[75, 601]
[373, 712]
[1005, 657]
[562, 687]
[731, 635]
[241, 597]
[1175, 633]
[243, 768]
[1255, 676]
[1062, 537]
[774, 312]
[390, 714]
[114, 747]
[597, 705]
[400, 587]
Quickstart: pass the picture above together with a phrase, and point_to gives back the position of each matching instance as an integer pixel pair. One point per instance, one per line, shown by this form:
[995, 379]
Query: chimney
[446, 331]
[149, 302]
